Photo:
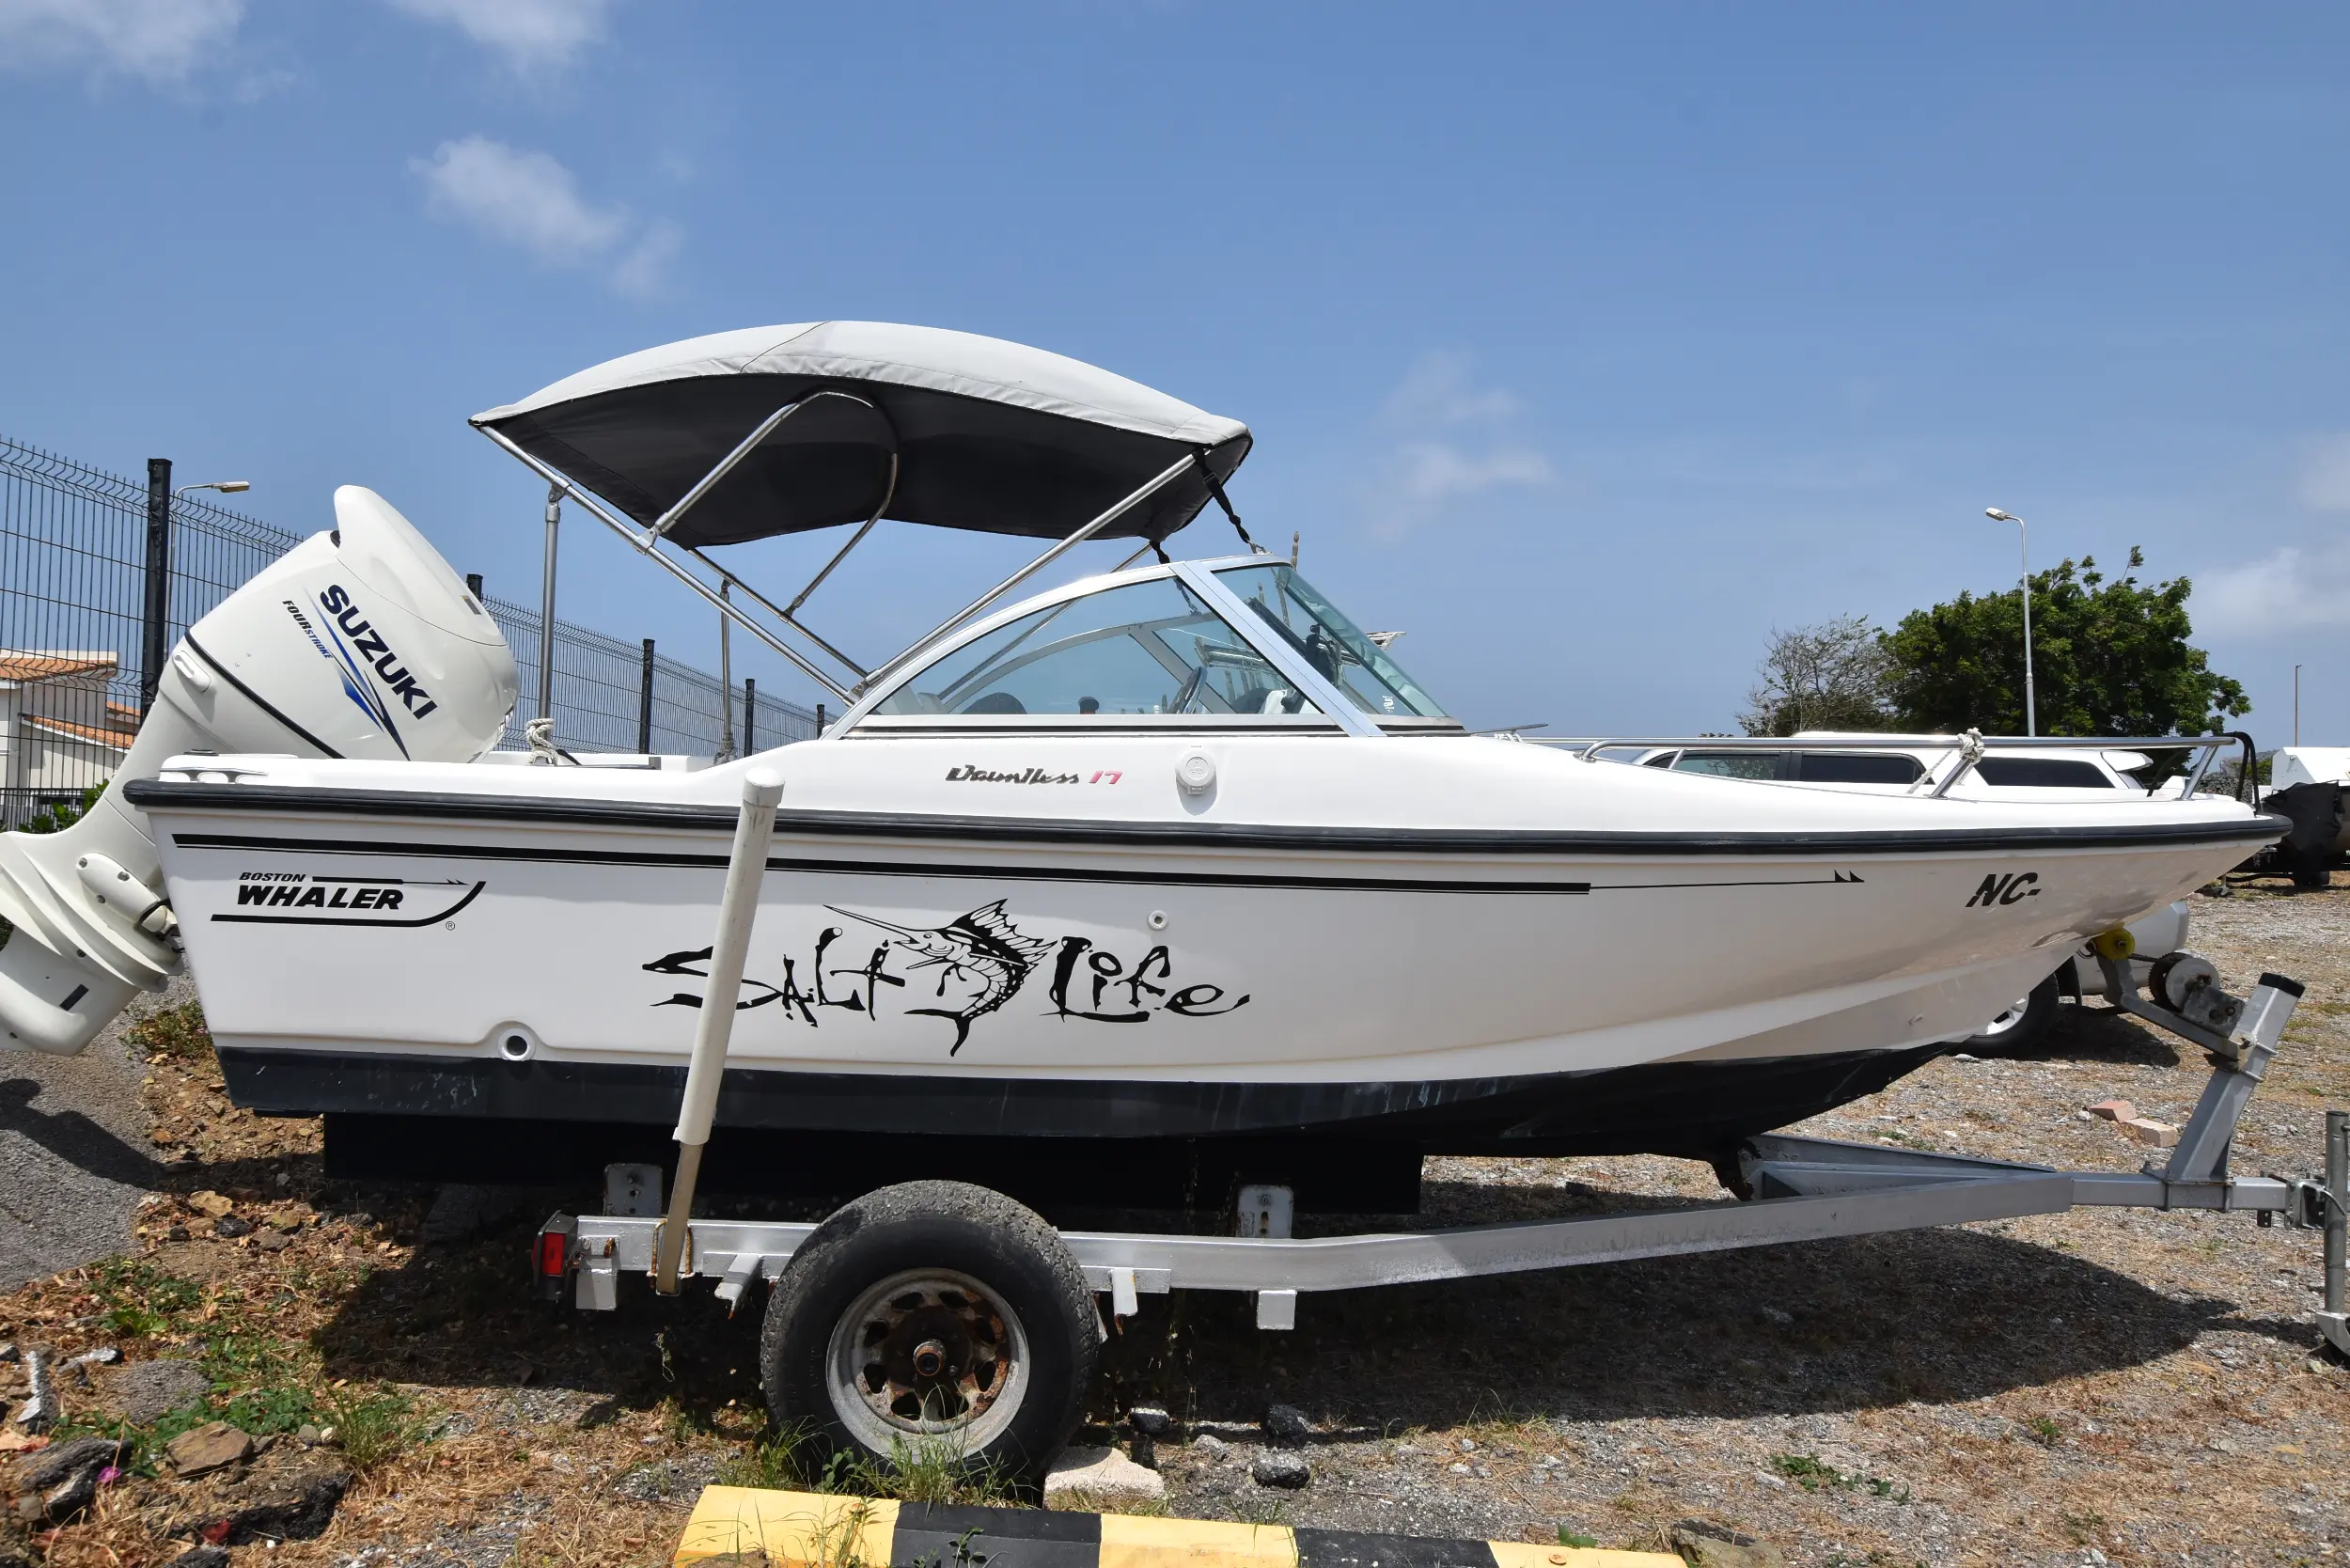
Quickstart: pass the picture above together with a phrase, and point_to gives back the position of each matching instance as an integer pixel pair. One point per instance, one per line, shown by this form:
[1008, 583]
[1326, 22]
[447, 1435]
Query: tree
[1825, 677]
[2112, 658]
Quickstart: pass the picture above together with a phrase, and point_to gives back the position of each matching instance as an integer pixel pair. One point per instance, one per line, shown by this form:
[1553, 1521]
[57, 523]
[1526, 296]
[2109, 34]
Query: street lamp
[227, 487]
[2024, 548]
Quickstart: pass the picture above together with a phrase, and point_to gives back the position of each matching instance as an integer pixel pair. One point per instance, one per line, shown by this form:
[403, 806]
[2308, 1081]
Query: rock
[289, 1223]
[1145, 1450]
[54, 1465]
[2154, 1133]
[211, 1447]
[1151, 1420]
[1285, 1470]
[228, 1227]
[41, 1410]
[310, 1437]
[1286, 1426]
[144, 1393]
[212, 1205]
[293, 1502]
[1208, 1442]
[200, 1556]
[273, 1241]
[1100, 1480]
[104, 1355]
[1776, 1318]
[9, 1352]
[180, 1233]
[2114, 1110]
[70, 1497]
[1709, 1545]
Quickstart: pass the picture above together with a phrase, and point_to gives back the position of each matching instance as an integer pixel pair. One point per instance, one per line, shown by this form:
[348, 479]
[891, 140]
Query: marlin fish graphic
[983, 945]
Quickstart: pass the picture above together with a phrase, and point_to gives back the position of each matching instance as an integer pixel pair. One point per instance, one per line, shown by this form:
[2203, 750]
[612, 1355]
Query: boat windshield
[1345, 655]
[1147, 648]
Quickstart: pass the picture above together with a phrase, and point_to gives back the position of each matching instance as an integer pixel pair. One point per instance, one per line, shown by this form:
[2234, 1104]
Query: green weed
[1575, 1538]
[141, 1300]
[171, 1031]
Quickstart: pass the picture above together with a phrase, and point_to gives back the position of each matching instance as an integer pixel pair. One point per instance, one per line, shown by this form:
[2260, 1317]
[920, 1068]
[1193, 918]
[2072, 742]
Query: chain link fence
[72, 625]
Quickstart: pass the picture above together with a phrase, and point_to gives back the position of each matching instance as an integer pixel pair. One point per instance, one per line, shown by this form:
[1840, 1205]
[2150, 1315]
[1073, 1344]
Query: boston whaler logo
[362, 659]
[298, 899]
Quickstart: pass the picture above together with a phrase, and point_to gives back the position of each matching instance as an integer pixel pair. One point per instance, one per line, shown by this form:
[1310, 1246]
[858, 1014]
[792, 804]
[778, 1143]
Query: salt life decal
[978, 961]
[298, 899]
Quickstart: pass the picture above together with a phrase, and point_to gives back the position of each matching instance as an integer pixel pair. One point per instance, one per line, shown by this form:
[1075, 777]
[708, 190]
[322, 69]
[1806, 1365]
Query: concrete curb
[737, 1527]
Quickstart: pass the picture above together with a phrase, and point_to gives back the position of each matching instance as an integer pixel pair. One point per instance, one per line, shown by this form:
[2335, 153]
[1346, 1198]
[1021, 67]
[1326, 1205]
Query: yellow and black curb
[806, 1529]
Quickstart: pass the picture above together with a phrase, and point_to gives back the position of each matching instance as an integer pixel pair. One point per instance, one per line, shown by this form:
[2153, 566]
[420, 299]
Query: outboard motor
[357, 643]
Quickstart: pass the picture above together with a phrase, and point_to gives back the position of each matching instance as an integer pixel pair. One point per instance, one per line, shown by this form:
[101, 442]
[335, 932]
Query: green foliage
[64, 813]
[928, 1470]
[372, 1428]
[273, 1408]
[142, 1299]
[1831, 676]
[2111, 657]
[171, 1031]
[1575, 1538]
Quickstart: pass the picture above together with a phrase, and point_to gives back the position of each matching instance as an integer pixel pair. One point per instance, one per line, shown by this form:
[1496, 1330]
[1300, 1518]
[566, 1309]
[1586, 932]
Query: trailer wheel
[934, 1321]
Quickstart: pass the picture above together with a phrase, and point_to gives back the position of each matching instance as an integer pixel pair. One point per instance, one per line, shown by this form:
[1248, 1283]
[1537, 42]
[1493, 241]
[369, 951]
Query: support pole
[644, 704]
[738, 906]
[155, 615]
[546, 608]
[750, 715]
[2330, 1319]
[726, 680]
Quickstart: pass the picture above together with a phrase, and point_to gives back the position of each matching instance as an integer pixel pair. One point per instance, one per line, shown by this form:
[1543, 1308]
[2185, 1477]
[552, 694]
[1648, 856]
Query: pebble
[1285, 1470]
[1208, 1442]
[1286, 1426]
[228, 1227]
[104, 1355]
[1151, 1420]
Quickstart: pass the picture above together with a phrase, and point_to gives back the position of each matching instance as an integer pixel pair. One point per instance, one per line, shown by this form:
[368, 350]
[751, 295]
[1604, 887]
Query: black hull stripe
[514, 854]
[642, 816]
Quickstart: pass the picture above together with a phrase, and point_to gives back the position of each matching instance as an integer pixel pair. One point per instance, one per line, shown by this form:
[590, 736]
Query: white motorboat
[1170, 866]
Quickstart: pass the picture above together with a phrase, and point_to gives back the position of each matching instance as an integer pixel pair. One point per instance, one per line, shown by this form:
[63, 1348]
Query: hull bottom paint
[584, 1116]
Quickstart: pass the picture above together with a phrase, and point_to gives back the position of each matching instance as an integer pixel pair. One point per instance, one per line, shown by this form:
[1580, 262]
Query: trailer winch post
[738, 907]
[2337, 1201]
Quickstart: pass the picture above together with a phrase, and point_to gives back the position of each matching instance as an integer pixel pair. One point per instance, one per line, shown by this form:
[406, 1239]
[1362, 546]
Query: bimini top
[988, 435]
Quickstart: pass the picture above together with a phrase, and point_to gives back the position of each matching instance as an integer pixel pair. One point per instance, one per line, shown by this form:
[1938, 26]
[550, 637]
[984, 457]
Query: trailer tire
[934, 1321]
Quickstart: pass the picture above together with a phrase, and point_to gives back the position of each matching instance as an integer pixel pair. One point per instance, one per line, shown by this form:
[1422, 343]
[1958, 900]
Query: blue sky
[1587, 344]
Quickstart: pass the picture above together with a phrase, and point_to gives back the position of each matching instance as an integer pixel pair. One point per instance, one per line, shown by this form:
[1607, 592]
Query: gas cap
[1195, 774]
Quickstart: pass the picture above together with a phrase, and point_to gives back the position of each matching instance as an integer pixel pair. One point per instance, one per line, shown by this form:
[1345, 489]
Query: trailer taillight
[551, 1255]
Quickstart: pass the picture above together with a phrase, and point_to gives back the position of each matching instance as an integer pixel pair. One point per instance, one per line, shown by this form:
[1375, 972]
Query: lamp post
[2032, 718]
[227, 487]
[2297, 704]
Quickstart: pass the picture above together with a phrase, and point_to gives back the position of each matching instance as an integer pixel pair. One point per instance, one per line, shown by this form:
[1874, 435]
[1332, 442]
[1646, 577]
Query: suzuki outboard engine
[356, 643]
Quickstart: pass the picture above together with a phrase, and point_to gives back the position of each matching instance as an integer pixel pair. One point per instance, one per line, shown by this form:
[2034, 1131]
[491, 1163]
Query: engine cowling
[359, 643]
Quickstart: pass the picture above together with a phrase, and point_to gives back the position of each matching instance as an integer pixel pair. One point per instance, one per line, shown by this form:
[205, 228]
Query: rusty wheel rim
[928, 1354]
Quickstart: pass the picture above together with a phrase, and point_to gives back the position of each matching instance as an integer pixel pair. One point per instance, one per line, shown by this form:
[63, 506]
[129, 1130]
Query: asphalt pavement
[73, 1154]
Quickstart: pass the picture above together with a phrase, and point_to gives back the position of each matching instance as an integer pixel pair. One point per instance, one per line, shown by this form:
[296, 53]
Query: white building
[60, 730]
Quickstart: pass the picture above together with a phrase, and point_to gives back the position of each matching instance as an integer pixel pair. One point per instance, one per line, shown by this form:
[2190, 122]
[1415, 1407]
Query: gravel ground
[2117, 1387]
[73, 1155]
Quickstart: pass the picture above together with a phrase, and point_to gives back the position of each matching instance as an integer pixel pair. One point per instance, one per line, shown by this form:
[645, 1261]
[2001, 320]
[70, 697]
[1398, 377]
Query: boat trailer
[1801, 1189]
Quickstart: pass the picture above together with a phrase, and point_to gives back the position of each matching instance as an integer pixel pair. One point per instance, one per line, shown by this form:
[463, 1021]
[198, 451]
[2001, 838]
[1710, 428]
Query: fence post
[155, 618]
[820, 720]
[473, 585]
[644, 704]
[750, 713]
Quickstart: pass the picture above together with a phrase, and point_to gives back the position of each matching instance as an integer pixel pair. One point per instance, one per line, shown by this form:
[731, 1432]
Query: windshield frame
[1337, 711]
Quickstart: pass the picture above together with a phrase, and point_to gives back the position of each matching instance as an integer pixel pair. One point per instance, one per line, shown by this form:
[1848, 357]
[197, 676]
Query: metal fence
[73, 551]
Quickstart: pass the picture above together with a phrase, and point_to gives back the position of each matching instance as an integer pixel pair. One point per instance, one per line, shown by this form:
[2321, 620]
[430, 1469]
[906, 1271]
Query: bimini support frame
[1971, 746]
[638, 535]
[1117, 510]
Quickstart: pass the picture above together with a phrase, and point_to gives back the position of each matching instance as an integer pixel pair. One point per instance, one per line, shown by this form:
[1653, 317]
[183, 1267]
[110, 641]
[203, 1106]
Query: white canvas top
[933, 358]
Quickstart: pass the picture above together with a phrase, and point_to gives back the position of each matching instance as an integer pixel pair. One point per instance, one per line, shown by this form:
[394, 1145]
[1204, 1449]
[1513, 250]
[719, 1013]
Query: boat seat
[997, 702]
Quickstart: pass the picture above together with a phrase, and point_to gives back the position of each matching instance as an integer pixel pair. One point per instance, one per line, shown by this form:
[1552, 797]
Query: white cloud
[158, 40]
[1422, 475]
[530, 36]
[2289, 590]
[531, 201]
[1437, 391]
[643, 270]
[2325, 474]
